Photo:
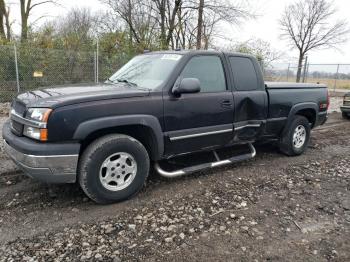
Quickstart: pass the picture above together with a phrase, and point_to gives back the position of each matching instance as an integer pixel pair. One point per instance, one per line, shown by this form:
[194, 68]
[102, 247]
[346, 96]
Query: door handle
[226, 104]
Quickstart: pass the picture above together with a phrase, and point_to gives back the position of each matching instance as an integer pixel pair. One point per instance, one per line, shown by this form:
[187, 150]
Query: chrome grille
[16, 128]
[19, 109]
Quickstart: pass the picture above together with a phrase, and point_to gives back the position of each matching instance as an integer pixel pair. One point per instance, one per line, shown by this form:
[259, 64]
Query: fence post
[16, 66]
[336, 78]
[307, 71]
[288, 72]
[97, 59]
[95, 69]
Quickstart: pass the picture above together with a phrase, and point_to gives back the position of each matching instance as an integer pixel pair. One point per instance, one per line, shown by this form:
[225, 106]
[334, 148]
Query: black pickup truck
[158, 106]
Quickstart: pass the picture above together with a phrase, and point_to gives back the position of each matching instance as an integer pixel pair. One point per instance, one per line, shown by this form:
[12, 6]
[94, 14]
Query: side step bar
[196, 168]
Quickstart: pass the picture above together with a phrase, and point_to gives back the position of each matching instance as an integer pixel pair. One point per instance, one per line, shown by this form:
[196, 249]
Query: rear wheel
[113, 168]
[296, 139]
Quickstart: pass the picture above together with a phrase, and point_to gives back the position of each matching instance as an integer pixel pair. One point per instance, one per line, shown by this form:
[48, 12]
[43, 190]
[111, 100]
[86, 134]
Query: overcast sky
[265, 26]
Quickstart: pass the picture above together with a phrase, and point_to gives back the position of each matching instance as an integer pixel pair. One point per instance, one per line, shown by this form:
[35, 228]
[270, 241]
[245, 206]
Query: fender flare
[297, 107]
[88, 127]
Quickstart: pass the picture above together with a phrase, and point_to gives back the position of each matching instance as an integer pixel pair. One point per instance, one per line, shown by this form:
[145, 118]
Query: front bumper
[51, 163]
[345, 109]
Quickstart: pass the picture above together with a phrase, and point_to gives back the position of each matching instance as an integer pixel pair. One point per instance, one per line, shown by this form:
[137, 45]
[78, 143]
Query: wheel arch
[308, 110]
[144, 128]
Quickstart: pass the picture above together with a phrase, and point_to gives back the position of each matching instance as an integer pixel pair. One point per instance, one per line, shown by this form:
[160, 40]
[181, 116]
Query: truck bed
[284, 97]
[290, 85]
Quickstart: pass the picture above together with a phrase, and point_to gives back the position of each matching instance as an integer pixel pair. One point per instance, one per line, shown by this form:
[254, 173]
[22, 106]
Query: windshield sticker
[171, 57]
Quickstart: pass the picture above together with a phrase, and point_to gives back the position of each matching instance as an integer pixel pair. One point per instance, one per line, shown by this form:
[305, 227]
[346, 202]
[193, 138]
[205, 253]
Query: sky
[265, 26]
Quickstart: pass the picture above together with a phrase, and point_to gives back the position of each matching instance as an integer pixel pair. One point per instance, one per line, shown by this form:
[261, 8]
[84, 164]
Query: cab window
[209, 71]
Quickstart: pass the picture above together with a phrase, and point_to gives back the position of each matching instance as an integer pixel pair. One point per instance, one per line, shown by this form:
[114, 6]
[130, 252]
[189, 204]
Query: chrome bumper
[50, 169]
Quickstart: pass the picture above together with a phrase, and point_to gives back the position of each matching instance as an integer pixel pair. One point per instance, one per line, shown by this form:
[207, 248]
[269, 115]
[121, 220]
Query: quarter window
[208, 70]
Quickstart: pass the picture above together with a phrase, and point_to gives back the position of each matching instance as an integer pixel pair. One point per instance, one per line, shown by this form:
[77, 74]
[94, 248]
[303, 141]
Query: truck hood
[72, 94]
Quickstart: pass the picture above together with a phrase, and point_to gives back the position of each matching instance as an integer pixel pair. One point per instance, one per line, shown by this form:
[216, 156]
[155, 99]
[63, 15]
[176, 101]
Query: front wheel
[113, 168]
[296, 139]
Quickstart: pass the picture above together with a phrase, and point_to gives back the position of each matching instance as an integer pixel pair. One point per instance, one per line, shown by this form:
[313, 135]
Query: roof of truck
[193, 51]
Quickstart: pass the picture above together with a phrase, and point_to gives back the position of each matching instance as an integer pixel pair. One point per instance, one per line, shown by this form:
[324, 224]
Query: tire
[102, 165]
[345, 115]
[293, 144]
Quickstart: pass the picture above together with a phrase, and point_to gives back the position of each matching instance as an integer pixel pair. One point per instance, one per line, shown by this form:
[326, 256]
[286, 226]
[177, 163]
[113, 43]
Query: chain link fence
[335, 76]
[25, 68]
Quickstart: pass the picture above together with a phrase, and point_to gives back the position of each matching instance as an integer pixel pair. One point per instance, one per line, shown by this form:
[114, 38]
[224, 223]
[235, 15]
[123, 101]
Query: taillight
[323, 105]
[328, 100]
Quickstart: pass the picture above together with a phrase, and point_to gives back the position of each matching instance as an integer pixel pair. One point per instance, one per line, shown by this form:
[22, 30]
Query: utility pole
[305, 67]
[336, 78]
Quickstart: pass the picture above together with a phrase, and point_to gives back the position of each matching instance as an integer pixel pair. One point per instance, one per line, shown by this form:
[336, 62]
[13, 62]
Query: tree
[200, 24]
[27, 7]
[76, 29]
[163, 24]
[213, 12]
[262, 50]
[5, 25]
[166, 13]
[307, 25]
[139, 20]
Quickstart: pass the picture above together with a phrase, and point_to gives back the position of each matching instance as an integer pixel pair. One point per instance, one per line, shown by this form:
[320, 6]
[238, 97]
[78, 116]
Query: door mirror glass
[187, 86]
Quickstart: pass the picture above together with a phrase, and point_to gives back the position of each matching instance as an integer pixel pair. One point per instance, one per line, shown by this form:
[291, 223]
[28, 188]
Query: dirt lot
[270, 208]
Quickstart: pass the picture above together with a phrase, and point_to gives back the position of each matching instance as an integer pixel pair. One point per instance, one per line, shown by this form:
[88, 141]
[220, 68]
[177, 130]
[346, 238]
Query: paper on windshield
[171, 57]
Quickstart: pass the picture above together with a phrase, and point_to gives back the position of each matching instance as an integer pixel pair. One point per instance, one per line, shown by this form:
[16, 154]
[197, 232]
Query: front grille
[17, 128]
[19, 108]
[347, 103]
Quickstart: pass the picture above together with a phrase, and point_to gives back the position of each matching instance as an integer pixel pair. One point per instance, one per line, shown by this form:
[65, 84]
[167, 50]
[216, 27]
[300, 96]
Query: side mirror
[187, 86]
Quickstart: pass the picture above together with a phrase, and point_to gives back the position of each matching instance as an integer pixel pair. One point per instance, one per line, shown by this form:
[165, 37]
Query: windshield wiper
[123, 80]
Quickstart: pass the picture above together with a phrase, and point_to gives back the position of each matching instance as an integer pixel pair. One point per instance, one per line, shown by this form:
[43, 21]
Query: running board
[196, 168]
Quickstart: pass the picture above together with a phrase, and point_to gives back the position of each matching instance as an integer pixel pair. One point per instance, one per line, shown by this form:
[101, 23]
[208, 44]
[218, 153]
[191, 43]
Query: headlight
[38, 114]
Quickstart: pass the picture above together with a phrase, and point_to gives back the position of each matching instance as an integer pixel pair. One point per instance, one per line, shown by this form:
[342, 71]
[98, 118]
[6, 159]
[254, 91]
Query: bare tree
[2, 27]
[306, 25]
[137, 16]
[212, 12]
[200, 24]
[262, 50]
[167, 13]
[77, 28]
[176, 23]
[27, 7]
[5, 21]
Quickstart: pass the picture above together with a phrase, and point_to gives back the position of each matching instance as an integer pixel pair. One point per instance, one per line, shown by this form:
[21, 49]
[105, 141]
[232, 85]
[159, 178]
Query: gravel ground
[270, 208]
[4, 109]
[336, 102]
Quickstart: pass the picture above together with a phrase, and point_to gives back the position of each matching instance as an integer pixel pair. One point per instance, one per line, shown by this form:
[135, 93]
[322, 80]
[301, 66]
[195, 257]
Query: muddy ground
[273, 207]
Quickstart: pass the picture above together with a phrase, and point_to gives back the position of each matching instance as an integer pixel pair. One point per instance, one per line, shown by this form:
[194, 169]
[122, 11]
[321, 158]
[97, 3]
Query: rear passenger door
[250, 98]
[200, 120]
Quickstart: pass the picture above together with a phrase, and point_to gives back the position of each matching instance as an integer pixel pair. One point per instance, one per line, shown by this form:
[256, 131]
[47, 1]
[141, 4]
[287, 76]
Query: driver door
[201, 120]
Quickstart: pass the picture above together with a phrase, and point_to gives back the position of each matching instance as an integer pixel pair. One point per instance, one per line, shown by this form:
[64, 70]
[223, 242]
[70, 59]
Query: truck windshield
[147, 71]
